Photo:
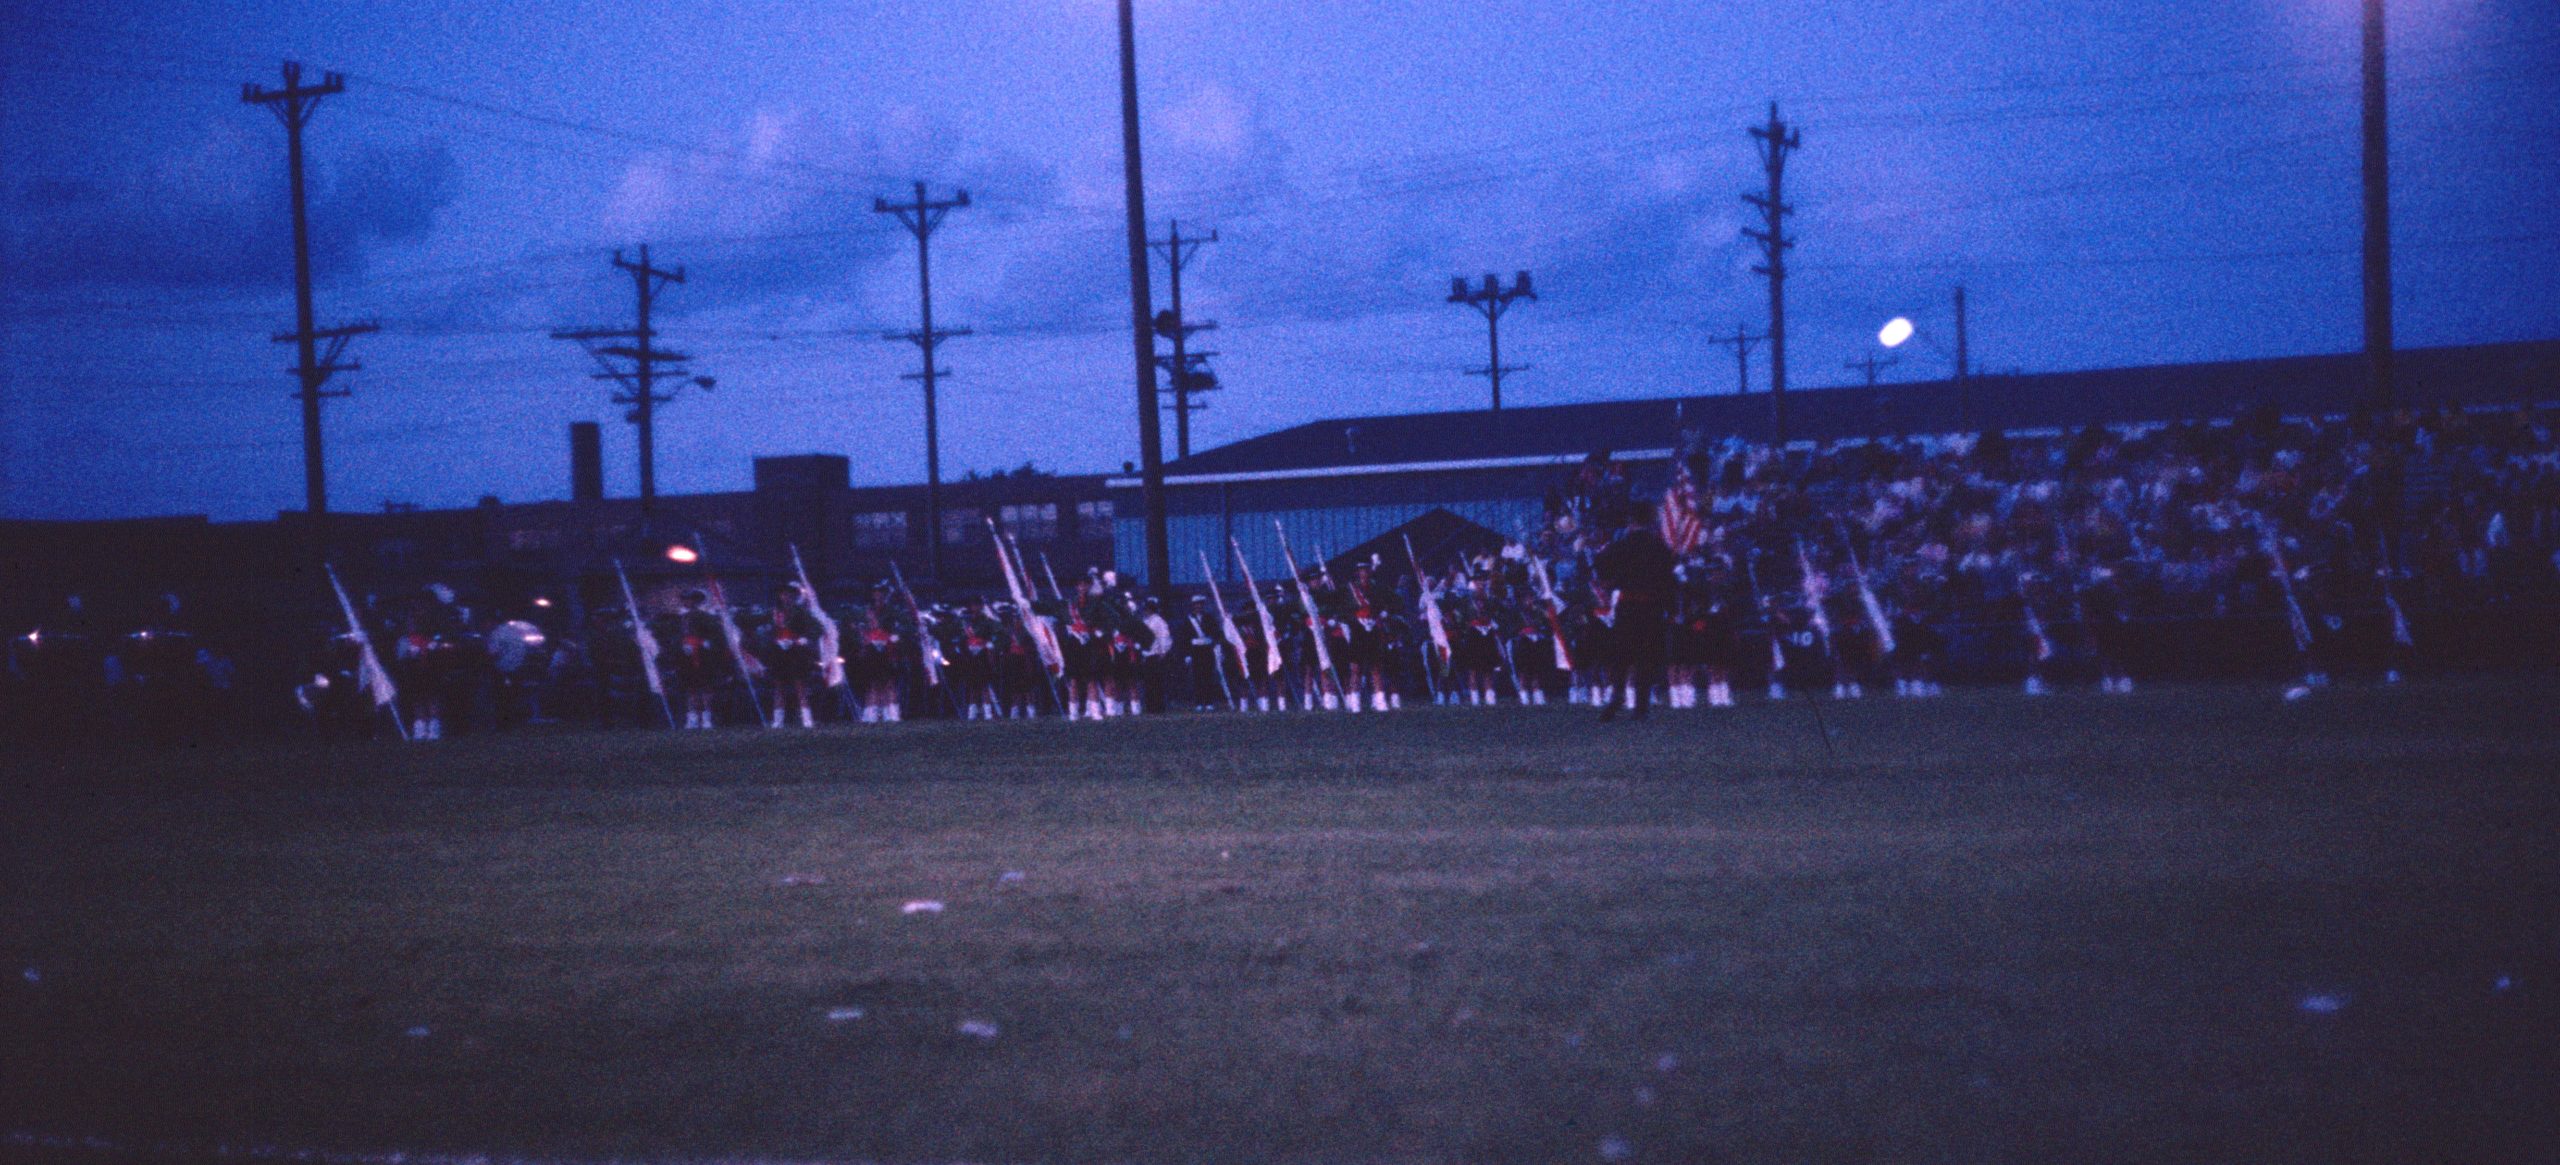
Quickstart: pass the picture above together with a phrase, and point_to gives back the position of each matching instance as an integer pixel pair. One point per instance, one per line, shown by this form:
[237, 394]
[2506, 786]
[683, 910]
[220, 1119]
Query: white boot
[2035, 685]
[1777, 690]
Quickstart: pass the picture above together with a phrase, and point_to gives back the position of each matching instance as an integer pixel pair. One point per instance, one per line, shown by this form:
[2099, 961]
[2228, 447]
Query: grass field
[2192, 925]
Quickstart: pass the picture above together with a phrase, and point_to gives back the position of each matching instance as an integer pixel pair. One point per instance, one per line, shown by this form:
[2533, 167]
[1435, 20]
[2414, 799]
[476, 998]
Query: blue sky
[2112, 183]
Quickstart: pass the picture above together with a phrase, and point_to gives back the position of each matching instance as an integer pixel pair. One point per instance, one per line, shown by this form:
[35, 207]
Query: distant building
[1339, 483]
[510, 554]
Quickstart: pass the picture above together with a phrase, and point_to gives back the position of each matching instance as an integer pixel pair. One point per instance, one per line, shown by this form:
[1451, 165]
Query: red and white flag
[1678, 517]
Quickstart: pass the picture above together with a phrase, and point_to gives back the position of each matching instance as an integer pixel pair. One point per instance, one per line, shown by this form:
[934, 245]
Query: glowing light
[682, 553]
[542, 602]
[1896, 331]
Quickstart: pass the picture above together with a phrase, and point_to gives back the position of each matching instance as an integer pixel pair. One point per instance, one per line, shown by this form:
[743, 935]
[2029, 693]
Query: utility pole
[1740, 341]
[1492, 300]
[2377, 212]
[293, 105]
[648, 363]
[1872, 365]
[1776, 141]
[920, 217]
[1142, 313]
[1186, 368]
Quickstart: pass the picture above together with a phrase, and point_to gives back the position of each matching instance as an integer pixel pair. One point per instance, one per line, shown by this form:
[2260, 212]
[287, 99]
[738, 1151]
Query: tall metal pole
[2377, 212]
[1142, 313]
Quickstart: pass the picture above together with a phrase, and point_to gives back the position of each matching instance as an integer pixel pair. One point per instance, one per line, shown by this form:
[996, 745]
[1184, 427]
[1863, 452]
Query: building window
[1093, 519]
[877, 531]
[959, 527]
[1033, 523]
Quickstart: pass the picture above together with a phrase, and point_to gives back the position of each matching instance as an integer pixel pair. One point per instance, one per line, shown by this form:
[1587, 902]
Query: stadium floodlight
[679, 552]
[1897, 331]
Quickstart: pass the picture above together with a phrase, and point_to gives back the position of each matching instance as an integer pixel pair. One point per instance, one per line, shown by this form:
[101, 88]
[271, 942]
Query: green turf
[1993, 928]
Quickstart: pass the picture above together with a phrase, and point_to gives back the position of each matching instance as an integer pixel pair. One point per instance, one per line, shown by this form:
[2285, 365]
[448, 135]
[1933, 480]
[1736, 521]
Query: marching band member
[787, 643]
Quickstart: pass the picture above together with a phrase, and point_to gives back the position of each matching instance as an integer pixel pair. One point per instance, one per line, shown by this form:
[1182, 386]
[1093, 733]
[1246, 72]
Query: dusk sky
[2113, 183]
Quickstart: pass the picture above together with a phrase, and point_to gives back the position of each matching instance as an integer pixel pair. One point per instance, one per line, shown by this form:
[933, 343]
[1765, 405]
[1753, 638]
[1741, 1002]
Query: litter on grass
[801, 880]
[842, 1014]
[1666, 1062]
[2323, 1004]
[922, 906]
[1009, 876]
[1615, 1149]
[420, 1032]
[978, 1029]
[31, 975]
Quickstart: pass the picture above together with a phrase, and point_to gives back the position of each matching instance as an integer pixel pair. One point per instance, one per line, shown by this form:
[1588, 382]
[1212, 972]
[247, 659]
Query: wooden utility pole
[1492, 300]
[1873, 364]
[920, 217]
[647, 364]
[293, 105]
[1776, 141]
[1185, 368]
[1740, 341]
[2377, 213]
[1142, 313]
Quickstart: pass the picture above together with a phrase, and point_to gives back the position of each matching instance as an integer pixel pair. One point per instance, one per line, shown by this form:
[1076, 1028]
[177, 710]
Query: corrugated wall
[1312, 533]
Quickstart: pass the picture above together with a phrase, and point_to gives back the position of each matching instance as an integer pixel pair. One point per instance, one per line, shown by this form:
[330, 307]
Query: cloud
[774, 218]
[197, 217]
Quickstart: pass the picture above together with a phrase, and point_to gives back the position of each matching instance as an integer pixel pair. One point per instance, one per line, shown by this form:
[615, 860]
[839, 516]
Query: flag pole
[369, 669]
[1227, 630]
[647, 642]
[830, 639]
[729, 629]
[1315, 622]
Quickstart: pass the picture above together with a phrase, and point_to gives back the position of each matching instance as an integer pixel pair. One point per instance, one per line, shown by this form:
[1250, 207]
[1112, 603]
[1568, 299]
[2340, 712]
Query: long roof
[2297, 385]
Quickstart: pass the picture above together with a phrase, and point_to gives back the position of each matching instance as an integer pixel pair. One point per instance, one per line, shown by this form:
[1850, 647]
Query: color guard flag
[1681, 526]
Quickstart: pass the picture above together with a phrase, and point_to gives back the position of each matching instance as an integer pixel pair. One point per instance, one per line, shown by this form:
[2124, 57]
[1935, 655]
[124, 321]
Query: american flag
[1681, 526]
